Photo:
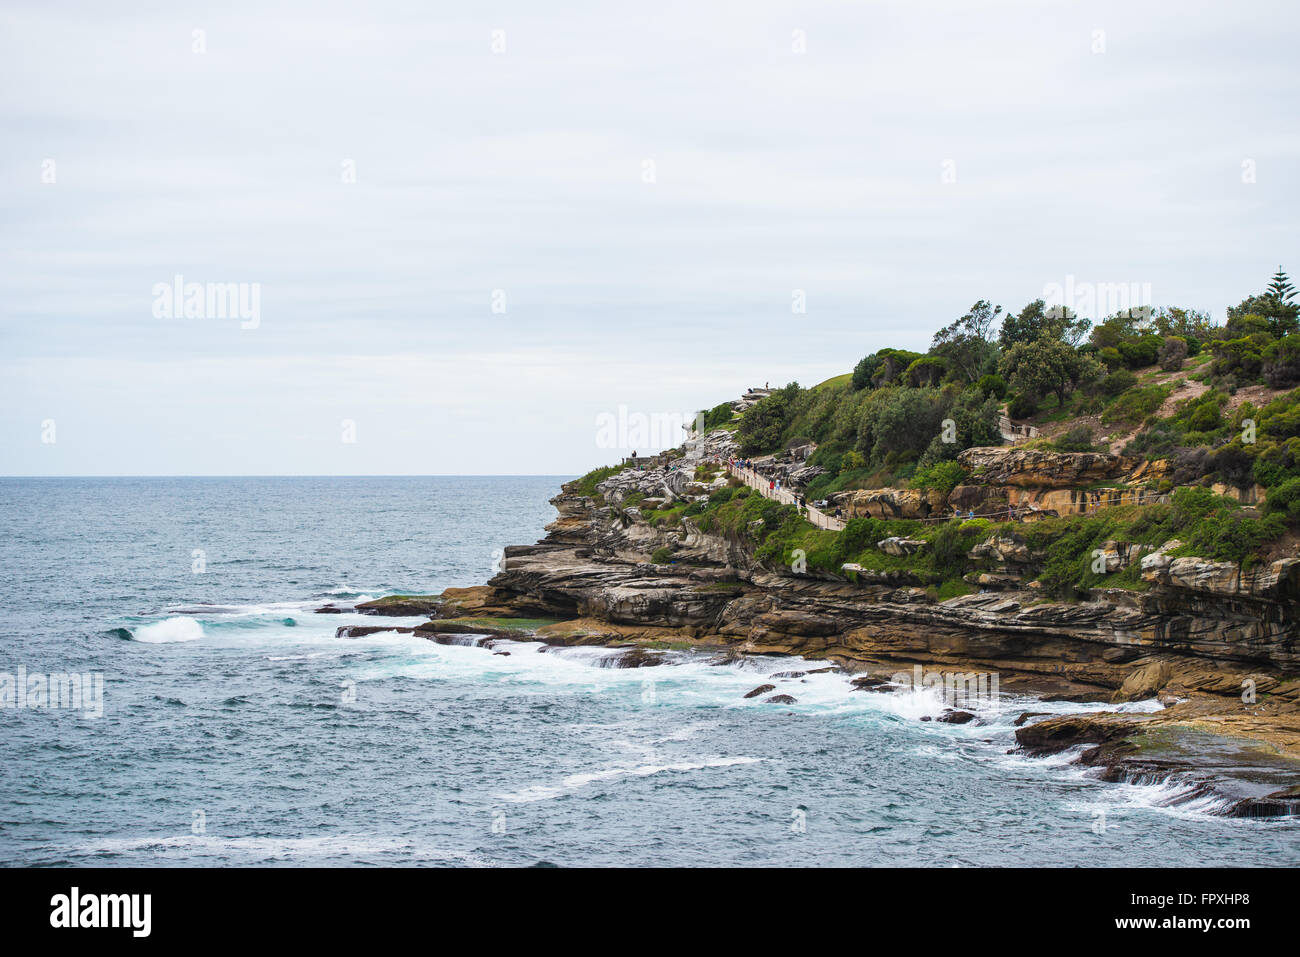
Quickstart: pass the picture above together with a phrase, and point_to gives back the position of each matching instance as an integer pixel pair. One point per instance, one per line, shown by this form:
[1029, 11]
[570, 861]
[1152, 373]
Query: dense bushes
[882, 368]
[1281, 362]
[1285, 500]
[904, 416]
[1140, 352]
[765, 423]
[941, 477]
[1209, 526]
[1136, 404]
[1207, 445]
[717, 416]
[1121, 380]
[1023, 405]
[992, 384]
[587, 484]
[1076, 439]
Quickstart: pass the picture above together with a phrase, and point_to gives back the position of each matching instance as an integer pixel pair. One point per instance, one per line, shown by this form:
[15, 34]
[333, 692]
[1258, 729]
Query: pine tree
[1280, 288]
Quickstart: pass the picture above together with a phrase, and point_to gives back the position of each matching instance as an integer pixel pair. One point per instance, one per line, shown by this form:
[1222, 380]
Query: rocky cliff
[1215, 643]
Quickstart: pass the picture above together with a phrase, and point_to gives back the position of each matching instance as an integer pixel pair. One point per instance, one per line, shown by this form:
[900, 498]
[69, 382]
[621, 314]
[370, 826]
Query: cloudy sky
[642, 190]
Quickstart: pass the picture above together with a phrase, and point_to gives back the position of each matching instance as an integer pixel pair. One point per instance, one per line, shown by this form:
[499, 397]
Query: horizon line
[304, 475]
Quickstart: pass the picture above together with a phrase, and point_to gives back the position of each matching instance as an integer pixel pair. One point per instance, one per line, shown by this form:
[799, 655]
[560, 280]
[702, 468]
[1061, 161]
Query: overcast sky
[643, 187]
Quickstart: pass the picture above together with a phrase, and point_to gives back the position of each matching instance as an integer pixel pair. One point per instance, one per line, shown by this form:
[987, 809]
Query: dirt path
[1184, 389]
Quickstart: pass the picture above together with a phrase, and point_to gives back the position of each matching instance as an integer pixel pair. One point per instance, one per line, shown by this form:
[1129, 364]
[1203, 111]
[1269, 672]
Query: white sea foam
[543, 792]
[256, 609]
[168, 631]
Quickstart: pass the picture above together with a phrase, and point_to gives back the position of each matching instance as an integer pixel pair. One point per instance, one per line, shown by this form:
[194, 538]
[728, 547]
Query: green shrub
[587, 484]
[1076, 439]
[1121, 380]
[1242, 357]
[1136, 404]
[994, 385]
[1281, 362]
[1141, 352]
[1285, 500]
[1022, 406]
[717, 416]
[662, 555]
[941, 477]
[953, 588]
[927, 370]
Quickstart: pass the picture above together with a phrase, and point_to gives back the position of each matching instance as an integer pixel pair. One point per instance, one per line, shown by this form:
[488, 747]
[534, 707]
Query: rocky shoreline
[1216, 646]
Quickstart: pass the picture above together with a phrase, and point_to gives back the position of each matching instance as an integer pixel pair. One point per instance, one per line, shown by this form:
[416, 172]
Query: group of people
[774, 485]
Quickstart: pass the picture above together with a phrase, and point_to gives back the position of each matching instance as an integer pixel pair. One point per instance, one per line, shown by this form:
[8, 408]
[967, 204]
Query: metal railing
[763, 486]
[830, 523]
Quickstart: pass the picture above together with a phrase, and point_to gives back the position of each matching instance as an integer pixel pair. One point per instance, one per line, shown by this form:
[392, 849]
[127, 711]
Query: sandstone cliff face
[1042, 481]
[890, 503]
[1037, 468]
[594, 564]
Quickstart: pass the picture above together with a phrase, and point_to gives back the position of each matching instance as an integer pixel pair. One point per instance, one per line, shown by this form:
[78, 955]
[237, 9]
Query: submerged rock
[956, 717]
[761, 689]
[633, 658]
[780, 699]
[360, 631]
[868, 683]
[401, 606]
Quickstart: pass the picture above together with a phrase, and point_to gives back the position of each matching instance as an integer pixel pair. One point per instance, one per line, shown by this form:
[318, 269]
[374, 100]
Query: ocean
[236, 729]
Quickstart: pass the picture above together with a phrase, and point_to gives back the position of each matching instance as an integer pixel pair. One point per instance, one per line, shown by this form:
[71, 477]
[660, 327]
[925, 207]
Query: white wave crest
[168, 631]
[573, 782]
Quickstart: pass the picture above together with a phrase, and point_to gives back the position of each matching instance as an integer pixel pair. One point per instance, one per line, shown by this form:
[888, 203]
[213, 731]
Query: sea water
[237, 729]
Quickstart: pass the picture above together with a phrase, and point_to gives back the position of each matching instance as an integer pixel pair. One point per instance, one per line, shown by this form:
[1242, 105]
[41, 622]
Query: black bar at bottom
[330, 907]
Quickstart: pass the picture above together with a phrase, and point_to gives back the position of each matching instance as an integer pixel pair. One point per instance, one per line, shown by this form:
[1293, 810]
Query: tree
[1274, 305]
[1047, 366]
[1280, 288]
[927, 370]
[1172, 354]
[902, 424]
[763, 426]
[1188, 323]
[966, 344]
[881, 368]
[1113, 330]
[1036, 319]
[1282, 363]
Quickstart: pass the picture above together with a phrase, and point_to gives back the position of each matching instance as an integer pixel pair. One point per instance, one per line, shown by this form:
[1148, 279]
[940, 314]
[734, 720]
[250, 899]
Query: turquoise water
[237, 729]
